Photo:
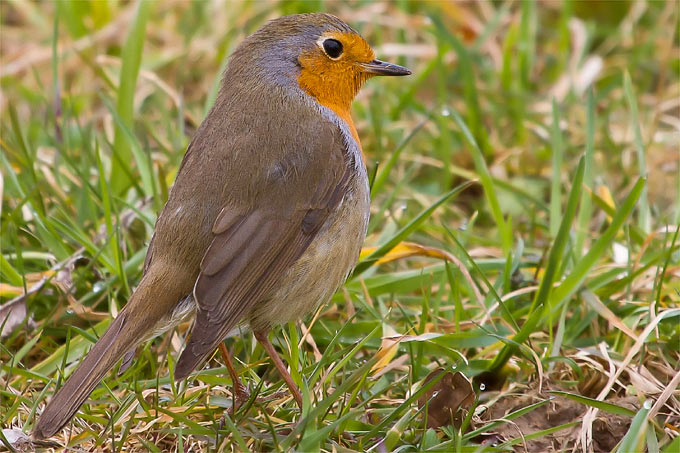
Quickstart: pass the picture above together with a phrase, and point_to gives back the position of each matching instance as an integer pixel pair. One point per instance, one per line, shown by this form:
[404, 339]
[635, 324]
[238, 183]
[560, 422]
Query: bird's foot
[240, 395]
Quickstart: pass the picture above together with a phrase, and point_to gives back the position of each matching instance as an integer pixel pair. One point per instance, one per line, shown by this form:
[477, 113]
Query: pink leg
[278, 363]
[241, 393]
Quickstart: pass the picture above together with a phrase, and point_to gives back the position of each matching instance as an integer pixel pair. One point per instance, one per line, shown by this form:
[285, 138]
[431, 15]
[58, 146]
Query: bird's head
[319, 53]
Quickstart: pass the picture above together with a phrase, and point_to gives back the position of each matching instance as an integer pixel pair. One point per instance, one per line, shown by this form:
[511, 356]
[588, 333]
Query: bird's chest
[341, 237]
[334, 252]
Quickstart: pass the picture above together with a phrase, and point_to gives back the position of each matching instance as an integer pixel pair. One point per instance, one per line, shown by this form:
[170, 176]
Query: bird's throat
[339, 99]
[346, 116]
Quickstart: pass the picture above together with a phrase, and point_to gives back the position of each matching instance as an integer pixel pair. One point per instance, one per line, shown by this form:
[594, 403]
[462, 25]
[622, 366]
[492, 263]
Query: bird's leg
[241, 394]
[278, 363]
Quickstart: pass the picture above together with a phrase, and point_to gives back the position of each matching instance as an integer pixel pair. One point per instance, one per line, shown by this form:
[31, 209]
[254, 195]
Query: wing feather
[250, 251]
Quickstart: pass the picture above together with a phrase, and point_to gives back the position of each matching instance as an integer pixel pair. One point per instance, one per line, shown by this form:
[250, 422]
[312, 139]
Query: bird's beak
[379, 67]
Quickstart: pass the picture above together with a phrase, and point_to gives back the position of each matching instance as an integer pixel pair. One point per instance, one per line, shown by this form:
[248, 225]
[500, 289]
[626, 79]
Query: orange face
[332, 73]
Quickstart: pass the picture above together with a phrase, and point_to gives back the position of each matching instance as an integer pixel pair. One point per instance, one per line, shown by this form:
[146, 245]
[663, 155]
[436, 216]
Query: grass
[524, 227]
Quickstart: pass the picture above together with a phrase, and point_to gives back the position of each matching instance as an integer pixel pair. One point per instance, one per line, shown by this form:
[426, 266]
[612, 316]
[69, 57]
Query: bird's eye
[333, 48]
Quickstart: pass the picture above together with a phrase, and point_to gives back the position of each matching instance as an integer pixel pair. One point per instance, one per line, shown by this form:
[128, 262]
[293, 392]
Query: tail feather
[132, 326]
[101, 358]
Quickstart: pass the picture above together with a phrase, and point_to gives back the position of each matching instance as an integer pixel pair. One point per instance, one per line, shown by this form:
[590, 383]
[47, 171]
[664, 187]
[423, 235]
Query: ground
[520, 283]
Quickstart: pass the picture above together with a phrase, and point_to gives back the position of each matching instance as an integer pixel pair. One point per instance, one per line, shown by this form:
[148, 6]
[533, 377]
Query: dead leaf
[388, 348]
[32, 279]
[448, 400]
[64, 281]
[17, 439]
[21, 442]
[409, 249]
[12, 314]
[406, 250]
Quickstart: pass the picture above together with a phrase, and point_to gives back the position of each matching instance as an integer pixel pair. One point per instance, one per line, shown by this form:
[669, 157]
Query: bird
[268, 212]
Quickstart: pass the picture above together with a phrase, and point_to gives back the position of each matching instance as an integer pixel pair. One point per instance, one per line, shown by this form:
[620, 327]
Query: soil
[608, 429]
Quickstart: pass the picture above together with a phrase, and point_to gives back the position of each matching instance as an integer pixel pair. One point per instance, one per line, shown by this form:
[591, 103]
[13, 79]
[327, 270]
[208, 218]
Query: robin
[268, 211]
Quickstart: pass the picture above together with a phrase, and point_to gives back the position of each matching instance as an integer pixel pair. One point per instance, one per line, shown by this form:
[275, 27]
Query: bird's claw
[240, 395]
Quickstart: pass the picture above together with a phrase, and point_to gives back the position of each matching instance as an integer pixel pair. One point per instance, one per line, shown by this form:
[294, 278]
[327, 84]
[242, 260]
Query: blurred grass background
[557, 269]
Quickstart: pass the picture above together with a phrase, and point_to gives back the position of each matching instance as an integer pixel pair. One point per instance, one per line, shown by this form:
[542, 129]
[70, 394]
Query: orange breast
[332, 85]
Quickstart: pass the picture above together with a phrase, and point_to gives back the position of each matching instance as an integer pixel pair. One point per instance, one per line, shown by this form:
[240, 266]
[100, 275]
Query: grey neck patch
[270, 55]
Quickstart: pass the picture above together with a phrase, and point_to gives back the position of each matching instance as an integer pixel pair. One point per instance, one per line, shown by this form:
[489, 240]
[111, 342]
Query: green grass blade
[507, 418]
[539, 434]
[381, 177]
[635, 439]
[323, 405]
[585, 210]
[131, 58]
[76, 348]
[403, 233]
[527, 42]
[560, 243]
[403, 406]
[555, 181]
[636, 234]
[234, 432]
[114, 244]
[550, 274]
[7, 271]
[578, 274]
[349, 355]
[673, 446]
[312, 442]
[466, 67]
[142, 158]
[603, 405]
[644, 215]
[487, 183]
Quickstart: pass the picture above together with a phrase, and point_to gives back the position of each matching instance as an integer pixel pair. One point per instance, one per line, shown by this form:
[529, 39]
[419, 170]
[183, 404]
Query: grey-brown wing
[252, 249]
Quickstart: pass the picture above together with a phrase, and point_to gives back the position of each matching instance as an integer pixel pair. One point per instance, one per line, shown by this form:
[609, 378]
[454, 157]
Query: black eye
[332, 47]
